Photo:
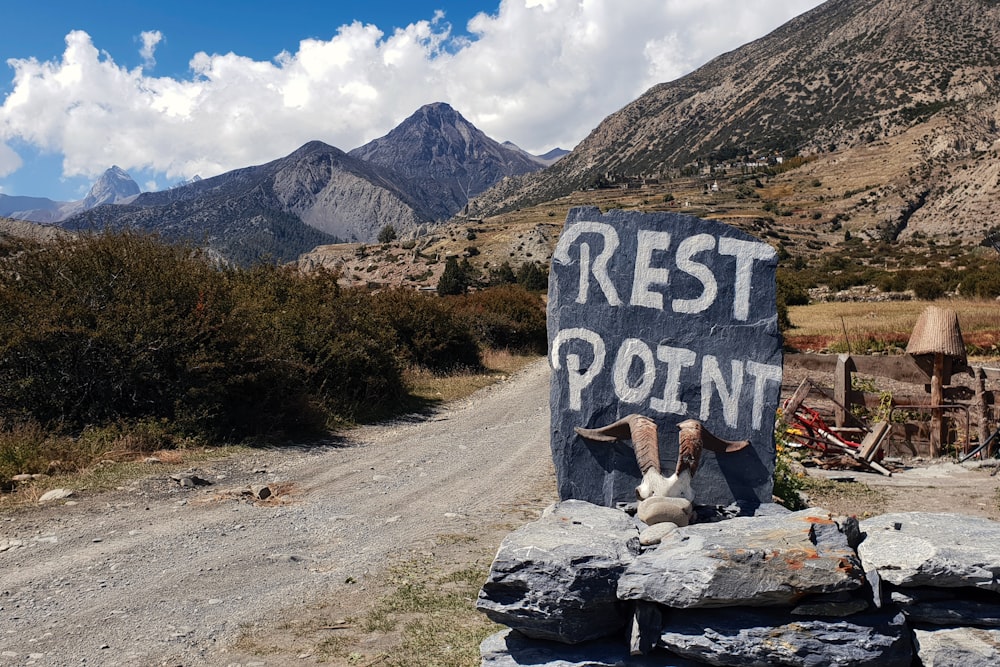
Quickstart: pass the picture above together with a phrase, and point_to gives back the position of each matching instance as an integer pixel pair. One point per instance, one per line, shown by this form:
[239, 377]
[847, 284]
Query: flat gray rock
[938, 550]
[767, 637]
[512, 649]
[556, 578]
[752, 561]
[957, 607]
[958, 647]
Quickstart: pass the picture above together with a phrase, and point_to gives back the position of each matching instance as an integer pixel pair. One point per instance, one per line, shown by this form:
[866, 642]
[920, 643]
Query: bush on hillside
[427, 330]
[122, 327]
[506, 317]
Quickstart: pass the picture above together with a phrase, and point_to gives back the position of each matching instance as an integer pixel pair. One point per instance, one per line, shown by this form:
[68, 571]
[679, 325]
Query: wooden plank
[793, 403]
[901, 368]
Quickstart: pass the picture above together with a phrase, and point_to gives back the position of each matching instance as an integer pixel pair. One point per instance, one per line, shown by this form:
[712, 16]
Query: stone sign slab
[674, 318]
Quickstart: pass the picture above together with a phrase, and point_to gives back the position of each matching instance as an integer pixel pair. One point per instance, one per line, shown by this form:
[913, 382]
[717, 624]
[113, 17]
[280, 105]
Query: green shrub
[506, 317]
[533, 276]
[121, 327]
[429, 333]
[927, 288]
[454, 280]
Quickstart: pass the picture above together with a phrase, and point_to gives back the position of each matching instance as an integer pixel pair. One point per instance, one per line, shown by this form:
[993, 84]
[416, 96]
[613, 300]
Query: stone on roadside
[755, 561]
[957, 647]
[190, 480]
[556, 578]
[659, 509]
[55, 494]
[260, 491]
[753, 636]
[937, 550]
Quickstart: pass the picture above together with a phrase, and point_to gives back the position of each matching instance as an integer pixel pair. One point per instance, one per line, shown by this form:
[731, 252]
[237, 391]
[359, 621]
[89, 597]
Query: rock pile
[576, 588]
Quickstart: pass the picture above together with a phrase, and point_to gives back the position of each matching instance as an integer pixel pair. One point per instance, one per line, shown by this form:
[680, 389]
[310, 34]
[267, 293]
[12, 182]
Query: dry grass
[424, 614]
[845, 498]
[498, 365]
[820, 325]
[106, 474]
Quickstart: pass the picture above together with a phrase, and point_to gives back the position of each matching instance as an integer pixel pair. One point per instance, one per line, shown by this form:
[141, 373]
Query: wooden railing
[975, 400]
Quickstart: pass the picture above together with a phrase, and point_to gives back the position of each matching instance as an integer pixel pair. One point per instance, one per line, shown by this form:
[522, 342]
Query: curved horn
[641, 430]
[693, 437]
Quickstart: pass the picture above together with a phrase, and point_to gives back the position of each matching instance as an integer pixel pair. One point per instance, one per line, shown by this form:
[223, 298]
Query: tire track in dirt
[159, 575]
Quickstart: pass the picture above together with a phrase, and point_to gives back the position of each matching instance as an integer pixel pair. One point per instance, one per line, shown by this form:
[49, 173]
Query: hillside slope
[848, 75]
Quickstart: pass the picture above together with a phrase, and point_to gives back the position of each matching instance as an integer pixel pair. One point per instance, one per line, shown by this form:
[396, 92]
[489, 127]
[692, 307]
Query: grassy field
[877, 327]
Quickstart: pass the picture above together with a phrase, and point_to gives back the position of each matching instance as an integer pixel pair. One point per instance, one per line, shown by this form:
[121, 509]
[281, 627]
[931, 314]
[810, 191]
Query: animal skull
[642, 431]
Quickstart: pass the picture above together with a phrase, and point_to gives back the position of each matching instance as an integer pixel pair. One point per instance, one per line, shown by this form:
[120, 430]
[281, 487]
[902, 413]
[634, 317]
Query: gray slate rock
[509, 648]
[770, 637]
[755, 561]
[948, 607]
[556, 578]
[681, 325]
[938, 550]
[958, 647]
[55, 494]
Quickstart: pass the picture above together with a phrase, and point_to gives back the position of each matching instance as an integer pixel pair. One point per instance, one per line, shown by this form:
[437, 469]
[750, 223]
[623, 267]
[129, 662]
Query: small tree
[453, 279]
[387, 234]
[502, 275]
[533, 277]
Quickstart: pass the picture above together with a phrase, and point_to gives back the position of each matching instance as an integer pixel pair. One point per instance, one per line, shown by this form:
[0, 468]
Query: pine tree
[453, 279]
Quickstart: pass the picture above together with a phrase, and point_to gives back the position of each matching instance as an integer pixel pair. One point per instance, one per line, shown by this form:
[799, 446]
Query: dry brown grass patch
[497, 365]
[891, 321]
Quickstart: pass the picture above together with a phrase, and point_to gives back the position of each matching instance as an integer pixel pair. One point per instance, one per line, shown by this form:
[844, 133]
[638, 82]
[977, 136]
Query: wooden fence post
[842, 389]
[981, 408]
[937, 398]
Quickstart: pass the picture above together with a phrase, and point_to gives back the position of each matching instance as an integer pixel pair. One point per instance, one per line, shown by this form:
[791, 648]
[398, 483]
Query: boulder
[765, 637]
[556, 578]
[938, 550]
[957, 647]
[959, 607]
[509, 648]
[55, 494]
[755, 561]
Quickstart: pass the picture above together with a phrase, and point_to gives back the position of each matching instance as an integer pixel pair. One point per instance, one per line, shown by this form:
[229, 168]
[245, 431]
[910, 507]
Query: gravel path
[157, 574]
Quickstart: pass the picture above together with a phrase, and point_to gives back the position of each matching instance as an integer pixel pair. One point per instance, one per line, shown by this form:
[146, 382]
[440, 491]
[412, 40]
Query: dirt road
[157, 574]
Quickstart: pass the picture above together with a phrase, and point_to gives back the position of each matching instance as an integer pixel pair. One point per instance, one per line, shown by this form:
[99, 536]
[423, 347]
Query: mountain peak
[445, 156]
[113, 186]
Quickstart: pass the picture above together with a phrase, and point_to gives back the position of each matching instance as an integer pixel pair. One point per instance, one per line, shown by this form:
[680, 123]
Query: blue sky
[168, 90]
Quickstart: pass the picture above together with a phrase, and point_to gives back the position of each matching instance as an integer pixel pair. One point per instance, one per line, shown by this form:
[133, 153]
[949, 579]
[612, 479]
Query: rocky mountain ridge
[846, 79]
[445, 158]
[419, 174]
[114, 186]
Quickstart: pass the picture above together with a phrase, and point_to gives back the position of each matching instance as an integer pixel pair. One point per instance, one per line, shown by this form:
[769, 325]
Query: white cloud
[10, 161]
[540, 73]
[150, 39]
